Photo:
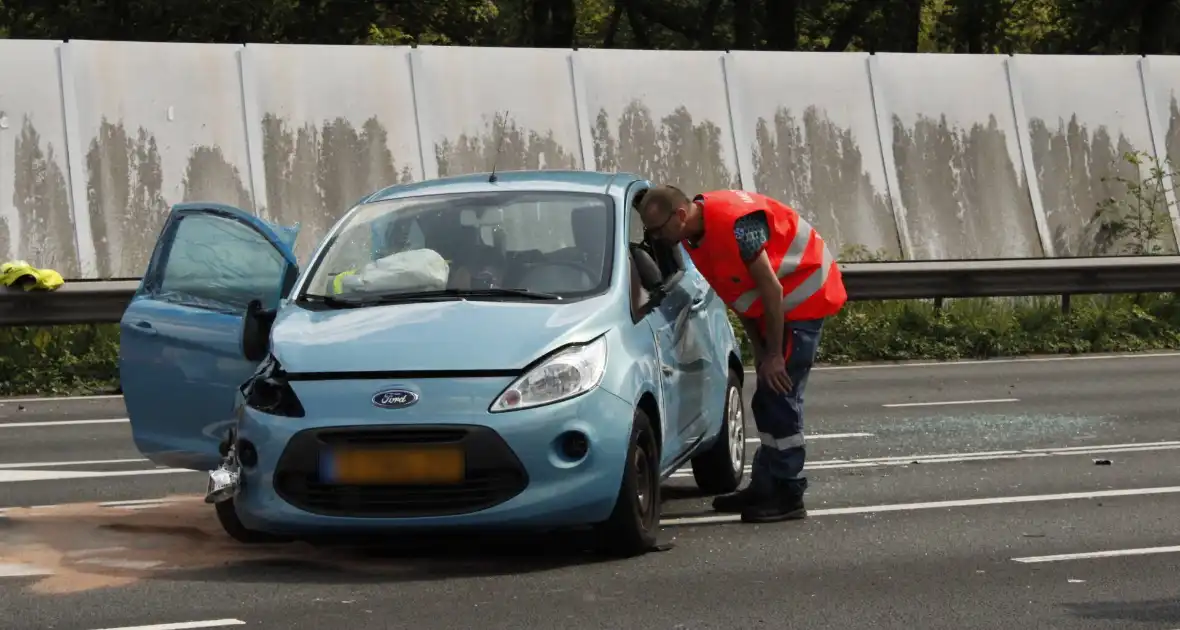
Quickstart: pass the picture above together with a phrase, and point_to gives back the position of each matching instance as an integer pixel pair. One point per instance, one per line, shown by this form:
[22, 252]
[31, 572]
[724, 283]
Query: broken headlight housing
[270, 392]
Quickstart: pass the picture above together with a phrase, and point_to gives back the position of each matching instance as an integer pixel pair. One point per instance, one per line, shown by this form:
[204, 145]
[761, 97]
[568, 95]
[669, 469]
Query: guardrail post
[1065, 303]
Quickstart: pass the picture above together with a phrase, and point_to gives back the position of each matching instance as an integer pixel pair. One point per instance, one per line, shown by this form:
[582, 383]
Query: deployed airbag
[413, 270]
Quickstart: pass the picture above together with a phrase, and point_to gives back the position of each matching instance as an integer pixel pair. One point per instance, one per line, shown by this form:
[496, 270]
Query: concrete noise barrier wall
[916, 156]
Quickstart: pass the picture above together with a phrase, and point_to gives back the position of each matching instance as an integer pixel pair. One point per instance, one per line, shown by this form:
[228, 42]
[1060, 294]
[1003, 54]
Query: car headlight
[569, 372]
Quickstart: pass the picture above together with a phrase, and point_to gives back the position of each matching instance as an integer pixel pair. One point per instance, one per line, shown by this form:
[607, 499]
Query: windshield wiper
[425, 296]
[496, 292]
[326, 300]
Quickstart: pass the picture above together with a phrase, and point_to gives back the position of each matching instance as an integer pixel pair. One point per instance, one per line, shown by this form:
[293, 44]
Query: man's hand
[772, 370]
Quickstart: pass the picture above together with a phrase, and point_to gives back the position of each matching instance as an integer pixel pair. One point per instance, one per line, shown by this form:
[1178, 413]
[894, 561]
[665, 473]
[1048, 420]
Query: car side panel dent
[633, 371]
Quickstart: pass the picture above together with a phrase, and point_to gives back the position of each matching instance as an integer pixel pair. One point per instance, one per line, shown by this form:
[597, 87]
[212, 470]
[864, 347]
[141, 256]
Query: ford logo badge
[394, 399]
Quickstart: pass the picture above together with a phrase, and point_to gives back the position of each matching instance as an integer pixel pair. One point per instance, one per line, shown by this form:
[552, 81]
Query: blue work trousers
[778, 462]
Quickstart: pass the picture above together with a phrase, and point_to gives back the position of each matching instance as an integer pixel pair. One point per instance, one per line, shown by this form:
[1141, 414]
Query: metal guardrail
[90, 301]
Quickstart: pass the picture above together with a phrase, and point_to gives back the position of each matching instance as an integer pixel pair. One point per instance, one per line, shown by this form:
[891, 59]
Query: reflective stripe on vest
[790, 263]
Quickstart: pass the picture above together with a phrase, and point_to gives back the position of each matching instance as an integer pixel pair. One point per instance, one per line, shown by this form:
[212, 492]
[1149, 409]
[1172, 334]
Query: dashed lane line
[1113, 553]
[88, 462]
[61, 423]
[942, 403]
[934, 505]
[186, 625]
[12, 570]
[951, 458]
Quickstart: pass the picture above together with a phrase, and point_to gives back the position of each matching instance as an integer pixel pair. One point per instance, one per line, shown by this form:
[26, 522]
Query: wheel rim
[735, 418]
[642, 482]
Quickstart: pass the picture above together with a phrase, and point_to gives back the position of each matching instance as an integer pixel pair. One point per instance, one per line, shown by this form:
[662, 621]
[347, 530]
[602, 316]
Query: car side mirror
[256, 324]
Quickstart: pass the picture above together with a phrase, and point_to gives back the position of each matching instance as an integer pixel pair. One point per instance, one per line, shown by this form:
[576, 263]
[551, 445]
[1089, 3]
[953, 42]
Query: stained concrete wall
[905, 156]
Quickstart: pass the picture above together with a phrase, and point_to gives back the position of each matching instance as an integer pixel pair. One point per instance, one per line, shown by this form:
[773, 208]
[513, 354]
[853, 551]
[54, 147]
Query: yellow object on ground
[19, 273]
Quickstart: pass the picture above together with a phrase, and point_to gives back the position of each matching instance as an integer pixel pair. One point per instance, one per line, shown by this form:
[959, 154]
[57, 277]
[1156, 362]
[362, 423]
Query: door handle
[698, 303]
[667, 369]
[145, 327]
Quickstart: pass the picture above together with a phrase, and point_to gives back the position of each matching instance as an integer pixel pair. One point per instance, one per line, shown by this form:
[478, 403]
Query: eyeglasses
[660, 227]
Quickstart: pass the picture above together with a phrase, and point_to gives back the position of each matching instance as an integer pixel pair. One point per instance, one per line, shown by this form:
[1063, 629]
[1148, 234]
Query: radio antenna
[499, 145]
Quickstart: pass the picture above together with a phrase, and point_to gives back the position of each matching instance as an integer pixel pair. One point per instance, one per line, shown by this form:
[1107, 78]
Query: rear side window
[221, 262]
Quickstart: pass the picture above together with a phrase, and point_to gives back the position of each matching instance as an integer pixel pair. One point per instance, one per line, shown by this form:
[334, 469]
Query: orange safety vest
[813, 286]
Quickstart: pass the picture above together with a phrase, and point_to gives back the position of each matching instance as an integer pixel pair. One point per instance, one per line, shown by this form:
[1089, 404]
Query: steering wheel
[585, 269]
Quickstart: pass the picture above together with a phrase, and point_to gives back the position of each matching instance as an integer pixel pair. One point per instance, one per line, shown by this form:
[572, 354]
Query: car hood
[448, 335]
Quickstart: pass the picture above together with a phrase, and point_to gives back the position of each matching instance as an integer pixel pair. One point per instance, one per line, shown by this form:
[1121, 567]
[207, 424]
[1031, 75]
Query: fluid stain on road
[86, 546]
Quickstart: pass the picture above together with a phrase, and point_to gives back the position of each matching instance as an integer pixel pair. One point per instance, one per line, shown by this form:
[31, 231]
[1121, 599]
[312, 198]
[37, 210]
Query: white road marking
[933, 505]
[133, 502]
[87, 462]
[15, 476]
[21, 570]
[823, 436]
[136, 504]
[61, 423]
[186, 625]
[950, 458]
[1099, 554]
[935, 403]
[43, 399]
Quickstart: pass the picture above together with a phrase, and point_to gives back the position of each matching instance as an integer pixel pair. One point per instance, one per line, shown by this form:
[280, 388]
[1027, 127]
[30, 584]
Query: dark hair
[665, 198]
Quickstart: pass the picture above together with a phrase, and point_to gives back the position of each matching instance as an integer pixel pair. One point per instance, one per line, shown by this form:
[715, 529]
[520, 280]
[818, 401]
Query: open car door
[180, 353]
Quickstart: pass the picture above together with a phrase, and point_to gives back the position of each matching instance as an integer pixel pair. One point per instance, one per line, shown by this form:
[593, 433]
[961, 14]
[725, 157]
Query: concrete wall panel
[808, 123]
[336, 123]
[99, 139]
[475, 99]
[36, 221]
[158, 124]
[955, 146]
[1084, 113]
[1165, 90]
[660, 114]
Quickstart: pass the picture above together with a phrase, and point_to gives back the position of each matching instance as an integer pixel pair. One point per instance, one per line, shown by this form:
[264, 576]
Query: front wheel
[720, 469]
[635, 521]
[227, 517]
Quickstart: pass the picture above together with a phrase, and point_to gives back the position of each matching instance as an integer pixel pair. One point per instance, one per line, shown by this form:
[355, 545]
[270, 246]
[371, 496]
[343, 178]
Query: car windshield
[489, 245]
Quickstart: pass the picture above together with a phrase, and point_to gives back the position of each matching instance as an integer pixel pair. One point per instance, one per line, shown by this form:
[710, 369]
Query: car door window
[220, 263]
[666, 257]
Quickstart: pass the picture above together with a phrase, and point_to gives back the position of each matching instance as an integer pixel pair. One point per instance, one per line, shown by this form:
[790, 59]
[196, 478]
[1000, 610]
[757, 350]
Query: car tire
[720, 469]
[227, 516]
[634, 524]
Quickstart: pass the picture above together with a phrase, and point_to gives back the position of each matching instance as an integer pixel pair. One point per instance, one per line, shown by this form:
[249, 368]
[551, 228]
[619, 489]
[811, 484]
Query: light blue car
[477, 352]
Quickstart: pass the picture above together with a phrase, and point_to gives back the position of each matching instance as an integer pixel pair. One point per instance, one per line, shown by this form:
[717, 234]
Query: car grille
[494, 474]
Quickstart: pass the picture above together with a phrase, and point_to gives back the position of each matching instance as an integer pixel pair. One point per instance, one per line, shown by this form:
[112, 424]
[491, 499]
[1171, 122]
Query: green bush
[982, 328]
[83, 359]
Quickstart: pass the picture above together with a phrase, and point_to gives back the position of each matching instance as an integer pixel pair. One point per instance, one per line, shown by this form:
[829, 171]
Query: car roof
[557, 180]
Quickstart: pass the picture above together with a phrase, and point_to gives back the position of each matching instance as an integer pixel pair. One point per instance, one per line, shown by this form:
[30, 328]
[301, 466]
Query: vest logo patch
[735, 278]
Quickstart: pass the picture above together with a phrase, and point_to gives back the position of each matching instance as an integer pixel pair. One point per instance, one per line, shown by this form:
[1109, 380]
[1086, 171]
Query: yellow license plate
[395, 466]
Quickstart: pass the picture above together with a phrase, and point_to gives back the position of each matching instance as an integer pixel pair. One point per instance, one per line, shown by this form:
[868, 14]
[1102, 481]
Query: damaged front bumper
[226, 479]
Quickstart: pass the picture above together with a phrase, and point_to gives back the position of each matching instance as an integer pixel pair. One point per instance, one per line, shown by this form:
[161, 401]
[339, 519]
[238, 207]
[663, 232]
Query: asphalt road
[942, 496]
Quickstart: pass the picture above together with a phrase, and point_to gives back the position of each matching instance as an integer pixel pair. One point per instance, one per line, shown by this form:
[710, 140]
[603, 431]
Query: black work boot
[735, 502]
[784, 505]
